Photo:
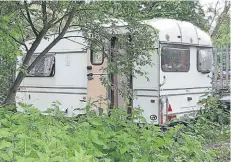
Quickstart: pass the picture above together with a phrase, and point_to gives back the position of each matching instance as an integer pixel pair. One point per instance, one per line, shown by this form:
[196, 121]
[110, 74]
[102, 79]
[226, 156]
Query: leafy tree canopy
[181, 10]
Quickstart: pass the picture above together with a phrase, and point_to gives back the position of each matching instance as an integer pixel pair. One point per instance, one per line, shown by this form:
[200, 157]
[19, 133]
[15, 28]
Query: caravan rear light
[153, 101]
[169, 108]
[170, 117]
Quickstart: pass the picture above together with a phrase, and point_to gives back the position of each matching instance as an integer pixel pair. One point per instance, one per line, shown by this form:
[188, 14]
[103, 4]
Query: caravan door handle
[89, 67]
[90, 76]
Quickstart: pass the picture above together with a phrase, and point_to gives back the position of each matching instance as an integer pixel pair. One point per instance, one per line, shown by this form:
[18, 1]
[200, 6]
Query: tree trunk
[11, 95]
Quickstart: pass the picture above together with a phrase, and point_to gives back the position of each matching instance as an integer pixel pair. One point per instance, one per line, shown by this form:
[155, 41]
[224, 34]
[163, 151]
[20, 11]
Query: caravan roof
[175, 31]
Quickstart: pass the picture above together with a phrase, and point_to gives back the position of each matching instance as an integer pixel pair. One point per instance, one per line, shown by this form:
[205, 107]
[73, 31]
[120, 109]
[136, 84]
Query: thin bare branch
[44, 11]
[220, 19]
[73, 36]
[61, 19]
[215, 15]
[76, 42]
[22, 35]
[29, 19]
[24, 15]
[56, 40]
[15, 39]
[65, 15]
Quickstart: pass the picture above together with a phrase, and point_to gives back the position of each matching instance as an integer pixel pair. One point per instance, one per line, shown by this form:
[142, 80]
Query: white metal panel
[186, 30]
[204, 38]
[146, 91]
[43, 101]
[73, 42]
[166, 27]
[180, 85]
[148, 107]
[140, 82]
[192, 78]
[175, 28]
[68, 72]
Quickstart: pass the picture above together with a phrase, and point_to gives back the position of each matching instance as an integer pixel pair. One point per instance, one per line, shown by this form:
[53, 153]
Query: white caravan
[177, 81]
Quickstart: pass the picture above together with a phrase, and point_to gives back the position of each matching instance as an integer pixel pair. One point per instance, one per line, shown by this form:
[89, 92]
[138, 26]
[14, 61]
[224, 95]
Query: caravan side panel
[68, 85]
[147, 94]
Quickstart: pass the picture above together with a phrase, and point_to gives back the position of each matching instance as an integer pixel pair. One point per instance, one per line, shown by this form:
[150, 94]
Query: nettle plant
[31, 136]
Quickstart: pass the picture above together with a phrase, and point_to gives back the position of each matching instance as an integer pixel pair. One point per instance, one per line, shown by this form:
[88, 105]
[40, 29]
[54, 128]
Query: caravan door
[97, 93]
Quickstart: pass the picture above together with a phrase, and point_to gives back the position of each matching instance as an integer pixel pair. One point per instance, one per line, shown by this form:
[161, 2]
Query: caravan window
[97, 54]
[204, 60]
[44, 68]
[175, 59]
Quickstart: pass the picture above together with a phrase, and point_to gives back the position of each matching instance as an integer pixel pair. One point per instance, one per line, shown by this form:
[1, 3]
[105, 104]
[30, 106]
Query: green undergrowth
[213, 125]
[31, 136]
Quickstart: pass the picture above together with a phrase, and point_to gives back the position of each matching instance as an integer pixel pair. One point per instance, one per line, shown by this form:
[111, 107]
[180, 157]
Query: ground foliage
[31, 136]
[213, 125]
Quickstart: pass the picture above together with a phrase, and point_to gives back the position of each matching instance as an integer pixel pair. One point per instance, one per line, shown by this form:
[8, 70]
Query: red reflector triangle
[169, 108]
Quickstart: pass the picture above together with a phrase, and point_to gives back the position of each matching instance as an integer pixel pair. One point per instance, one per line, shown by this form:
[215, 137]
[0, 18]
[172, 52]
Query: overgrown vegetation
[31, 136]
[213, 125]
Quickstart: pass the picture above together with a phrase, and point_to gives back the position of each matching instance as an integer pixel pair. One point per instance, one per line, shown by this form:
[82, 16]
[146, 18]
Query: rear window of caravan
[204, 59]
[175, 59]
[44, 68]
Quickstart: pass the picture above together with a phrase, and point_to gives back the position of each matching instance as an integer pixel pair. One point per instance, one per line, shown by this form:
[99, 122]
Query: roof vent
[167, 37]
[191, 40]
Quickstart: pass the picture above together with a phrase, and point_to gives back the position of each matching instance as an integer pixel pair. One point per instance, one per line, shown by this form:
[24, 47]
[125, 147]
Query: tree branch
[61, 19]
[29, 19]
[65, 15]
[44, 11]
[22, 35]
[215, 14]
[53, 43]
[220, 19]
[16, 40]
[76, 42]
[24, 15]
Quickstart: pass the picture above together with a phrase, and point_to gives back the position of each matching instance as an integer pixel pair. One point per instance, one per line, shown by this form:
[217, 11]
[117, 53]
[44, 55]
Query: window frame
[92, 55]
[199, 48]
[52, 70]
[176, 47]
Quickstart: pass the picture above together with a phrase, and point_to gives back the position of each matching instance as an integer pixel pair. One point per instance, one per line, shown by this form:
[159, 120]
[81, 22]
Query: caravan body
[177, 80]
[181, 75]
[59, 76]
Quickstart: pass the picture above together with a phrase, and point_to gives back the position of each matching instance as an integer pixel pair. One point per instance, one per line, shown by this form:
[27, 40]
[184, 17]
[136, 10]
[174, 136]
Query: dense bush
[31, 136]
[213, 125]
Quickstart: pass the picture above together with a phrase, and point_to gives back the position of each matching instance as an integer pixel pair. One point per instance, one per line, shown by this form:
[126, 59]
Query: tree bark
[11, 96]
[220, 19]
[12, 93]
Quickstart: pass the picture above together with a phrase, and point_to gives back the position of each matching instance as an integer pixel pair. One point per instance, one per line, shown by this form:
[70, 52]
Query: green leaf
[4, 132]
[4, 144]
[95, 138]
[123, 150]
[96, 122]
[57, 158]
[5, 122]
[143, 159]
[5, 156]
